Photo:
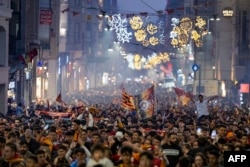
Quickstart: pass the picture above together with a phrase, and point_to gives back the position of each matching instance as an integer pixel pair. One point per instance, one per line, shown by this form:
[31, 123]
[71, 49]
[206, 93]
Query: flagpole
[155, 100]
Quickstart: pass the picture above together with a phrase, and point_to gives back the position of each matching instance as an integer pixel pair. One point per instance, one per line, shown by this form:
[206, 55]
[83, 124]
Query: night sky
[139, 6]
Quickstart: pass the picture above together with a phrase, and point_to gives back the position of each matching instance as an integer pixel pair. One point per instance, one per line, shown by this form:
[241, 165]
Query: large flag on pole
[146, 103]
[127, 101]
[184, 97]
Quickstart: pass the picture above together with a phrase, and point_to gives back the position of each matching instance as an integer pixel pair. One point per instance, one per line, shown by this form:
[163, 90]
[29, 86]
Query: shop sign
[228, 12]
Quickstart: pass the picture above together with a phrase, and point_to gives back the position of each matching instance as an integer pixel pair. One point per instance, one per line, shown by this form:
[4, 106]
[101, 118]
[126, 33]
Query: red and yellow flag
[127, 101]
[146, 103]
[183, 96]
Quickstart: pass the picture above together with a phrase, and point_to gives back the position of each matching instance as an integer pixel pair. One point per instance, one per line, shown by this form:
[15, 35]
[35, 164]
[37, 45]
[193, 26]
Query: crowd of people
[194, 135]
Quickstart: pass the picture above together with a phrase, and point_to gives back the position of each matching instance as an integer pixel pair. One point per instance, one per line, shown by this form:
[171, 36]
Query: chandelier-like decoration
[138, 62]
[142, 29]
[185, 30]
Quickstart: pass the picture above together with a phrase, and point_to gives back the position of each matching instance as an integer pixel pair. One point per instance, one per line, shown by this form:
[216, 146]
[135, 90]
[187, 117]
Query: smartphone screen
[213, 135]
[46, 127]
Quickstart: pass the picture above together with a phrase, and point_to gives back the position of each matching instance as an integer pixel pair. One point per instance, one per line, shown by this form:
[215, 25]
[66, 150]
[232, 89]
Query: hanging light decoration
[153, 41]
[152, 29]
[146, 32]
[185, 30]
[138, 62]
[140, 35]
[142, 29]
[136, 22]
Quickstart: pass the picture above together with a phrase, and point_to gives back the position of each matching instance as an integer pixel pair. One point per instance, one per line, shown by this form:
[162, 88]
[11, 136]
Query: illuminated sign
[244, 88]
[227, 12]
[46, 16]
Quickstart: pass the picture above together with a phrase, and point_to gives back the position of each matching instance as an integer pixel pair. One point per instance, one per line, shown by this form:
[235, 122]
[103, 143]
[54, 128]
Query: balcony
[5, 10]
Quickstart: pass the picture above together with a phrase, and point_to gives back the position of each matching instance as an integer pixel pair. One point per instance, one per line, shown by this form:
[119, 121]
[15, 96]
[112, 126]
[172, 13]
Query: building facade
[48, 37]
[225, 58]
[5, 15]
[38, 31]
[240, 47]
[81, 44]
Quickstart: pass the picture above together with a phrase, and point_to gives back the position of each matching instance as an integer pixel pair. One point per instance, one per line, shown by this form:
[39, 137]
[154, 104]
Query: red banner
[54, 114]
[45, 16]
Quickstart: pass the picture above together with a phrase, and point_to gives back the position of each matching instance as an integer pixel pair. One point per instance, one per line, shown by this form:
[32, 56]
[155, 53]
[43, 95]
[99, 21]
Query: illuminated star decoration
[138, 62]
[119, 25]
[185, 30]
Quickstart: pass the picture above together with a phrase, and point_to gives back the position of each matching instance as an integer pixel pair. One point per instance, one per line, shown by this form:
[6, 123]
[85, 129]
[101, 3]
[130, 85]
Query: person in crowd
[31, 161]
[10, 155]
[33, 145]
[213, 158]
[2, 144]
[169, 138]
[199, 160]
[76, 124]
[41, 159]
[221, 132]
[184, 162]
[60, 160]
[202, 107]
[97, 157]
[24, 151]
[172, 150]
[126, 157]
[146, 159]
[19, 110]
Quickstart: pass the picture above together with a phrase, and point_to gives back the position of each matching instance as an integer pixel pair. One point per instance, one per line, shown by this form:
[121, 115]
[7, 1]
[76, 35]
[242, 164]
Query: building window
[77, 36]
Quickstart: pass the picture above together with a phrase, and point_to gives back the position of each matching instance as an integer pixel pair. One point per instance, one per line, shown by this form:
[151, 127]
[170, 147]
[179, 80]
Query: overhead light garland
[147, 32]
[138, 62]
[142, 29]
[185, 30]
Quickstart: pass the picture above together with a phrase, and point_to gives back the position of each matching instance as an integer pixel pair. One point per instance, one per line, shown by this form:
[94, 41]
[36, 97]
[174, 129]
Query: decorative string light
[156, 60]
[143, 30]
[119, 24]
[140, 35]
[195, 35]
[186, 24]
[138, 62]
[185, 30]
[200, 22]
[153, 41]
[136, 22]
[152, 29]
